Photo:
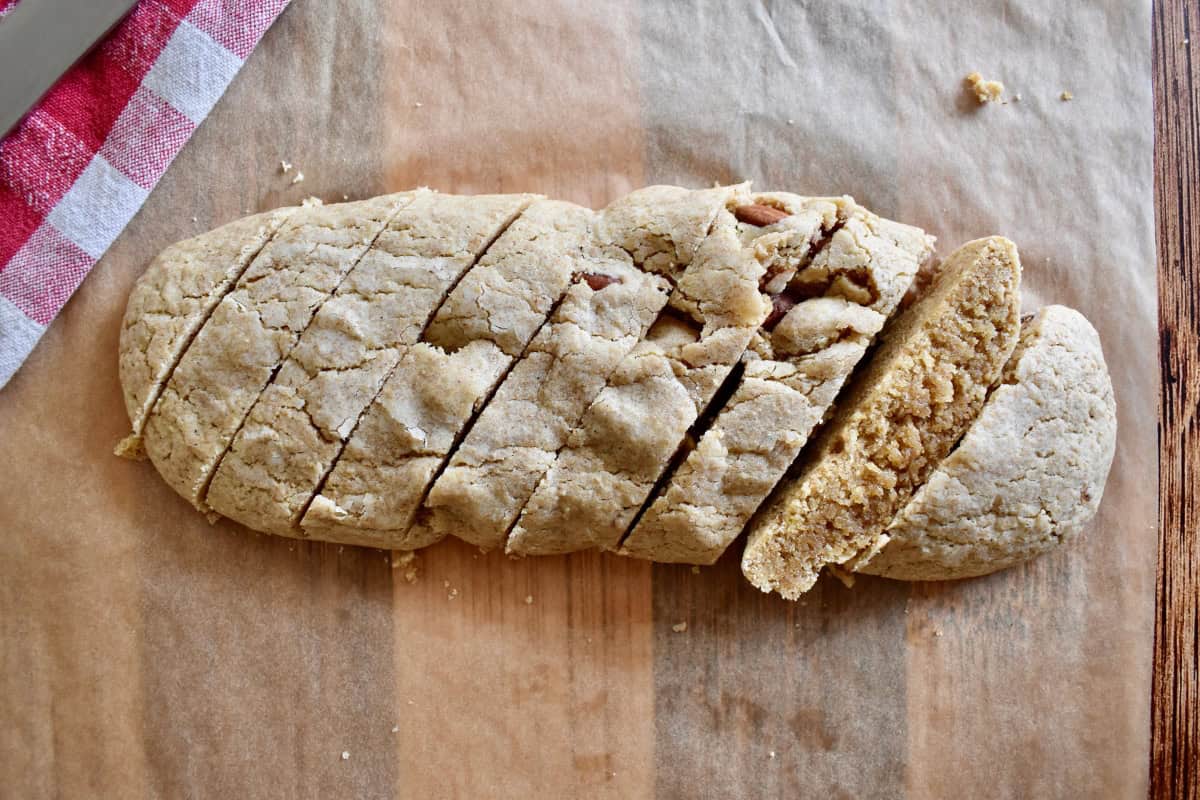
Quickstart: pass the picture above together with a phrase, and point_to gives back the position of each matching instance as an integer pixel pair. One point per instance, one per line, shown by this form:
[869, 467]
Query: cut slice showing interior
[905, 411]
[840, 272]
[299, 424]
[172, 300]
[372, 494]
[625, 440]
[1029, 473]
[251, 332]
[517, 435]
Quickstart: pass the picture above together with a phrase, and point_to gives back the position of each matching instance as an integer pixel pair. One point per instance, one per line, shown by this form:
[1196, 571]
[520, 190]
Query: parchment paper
[147, 654]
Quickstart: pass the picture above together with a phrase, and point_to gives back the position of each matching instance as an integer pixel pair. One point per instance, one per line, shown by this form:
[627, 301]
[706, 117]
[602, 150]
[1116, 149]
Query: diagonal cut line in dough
[302, 421]
[486, 356]
[217, 464]
[481, 405]
[598, 482]
[234, 357]
[181, 340]
[818, 243]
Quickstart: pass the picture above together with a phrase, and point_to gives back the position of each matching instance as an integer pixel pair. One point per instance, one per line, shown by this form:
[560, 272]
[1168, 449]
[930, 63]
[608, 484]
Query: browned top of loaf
[915, 399]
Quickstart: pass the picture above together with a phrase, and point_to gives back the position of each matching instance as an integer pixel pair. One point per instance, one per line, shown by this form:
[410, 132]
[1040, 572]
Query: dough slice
[1029, 473]
[171, 301]
[372, 494]
[299, 424]
[626, 438]
[251, 332]
[913, 402]
[854, 278]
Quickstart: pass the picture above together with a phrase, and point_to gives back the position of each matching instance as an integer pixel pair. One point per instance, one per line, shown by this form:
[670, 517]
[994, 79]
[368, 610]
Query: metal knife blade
[40, 40]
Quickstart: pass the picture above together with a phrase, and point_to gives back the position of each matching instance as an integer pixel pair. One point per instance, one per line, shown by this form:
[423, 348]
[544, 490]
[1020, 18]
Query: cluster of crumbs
[985, 91]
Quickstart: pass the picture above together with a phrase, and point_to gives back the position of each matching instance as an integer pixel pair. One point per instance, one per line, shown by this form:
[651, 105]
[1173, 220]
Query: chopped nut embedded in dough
[985, 91]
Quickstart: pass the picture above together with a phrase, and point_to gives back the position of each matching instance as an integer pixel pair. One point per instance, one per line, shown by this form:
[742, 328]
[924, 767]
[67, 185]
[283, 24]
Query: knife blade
[42, 39]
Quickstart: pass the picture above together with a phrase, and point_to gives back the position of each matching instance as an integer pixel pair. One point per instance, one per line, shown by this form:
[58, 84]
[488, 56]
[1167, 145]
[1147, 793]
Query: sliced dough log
[299, 424]
[372, 494]
[626, 438]
[1029, 473]
[912, 403]
[790, 379]
[173, 299]
[251, 332]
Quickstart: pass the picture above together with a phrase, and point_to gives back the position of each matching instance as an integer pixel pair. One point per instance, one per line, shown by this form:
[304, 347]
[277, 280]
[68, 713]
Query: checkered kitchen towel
[80, 165]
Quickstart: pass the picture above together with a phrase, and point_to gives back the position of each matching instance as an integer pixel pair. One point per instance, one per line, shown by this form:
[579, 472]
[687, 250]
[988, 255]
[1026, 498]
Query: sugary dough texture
[915, 399]
[299, 424]
[1030, 472]
[251, 332]
[373, 493]
[626, 438]
[174, 298]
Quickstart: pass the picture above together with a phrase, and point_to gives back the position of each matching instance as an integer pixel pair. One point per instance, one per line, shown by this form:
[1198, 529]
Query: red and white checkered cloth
[80, 165]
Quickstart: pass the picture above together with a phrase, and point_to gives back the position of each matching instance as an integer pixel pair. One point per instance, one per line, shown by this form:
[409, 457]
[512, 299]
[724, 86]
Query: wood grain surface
[1175, 712]
[145, 653]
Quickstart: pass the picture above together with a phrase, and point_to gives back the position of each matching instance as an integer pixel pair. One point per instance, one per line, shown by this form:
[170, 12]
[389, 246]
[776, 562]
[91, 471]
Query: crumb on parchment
[1066, 96]
[299, 178]
[528, 599]
[985, 91]
[679, 627]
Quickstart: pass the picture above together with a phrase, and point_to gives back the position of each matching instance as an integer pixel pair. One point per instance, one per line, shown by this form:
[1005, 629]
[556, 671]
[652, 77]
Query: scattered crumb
[937, 633]
[408, 560]
[528, 599]
[771, 754]
[453, 593]
[311, 201]
[1017, 97]
[985, 91]
[194, 219]
[412, 702]
[341, 548]
[1065, 96]
[285, 166]
[396, 728]
[679, 627]
[345, 755]
[345, 197]
[417, 105]
[298, 179]
[445, 584]
[696, 570]
[791, 122]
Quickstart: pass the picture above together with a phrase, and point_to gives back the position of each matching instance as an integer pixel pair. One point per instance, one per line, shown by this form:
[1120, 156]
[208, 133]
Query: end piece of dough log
[298, 426]
[1030, 472]
[172, 300]
[914, 400]
[250, 334]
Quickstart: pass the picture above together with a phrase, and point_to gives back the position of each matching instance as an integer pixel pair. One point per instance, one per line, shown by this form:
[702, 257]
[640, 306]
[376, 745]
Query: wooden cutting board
[146, 653]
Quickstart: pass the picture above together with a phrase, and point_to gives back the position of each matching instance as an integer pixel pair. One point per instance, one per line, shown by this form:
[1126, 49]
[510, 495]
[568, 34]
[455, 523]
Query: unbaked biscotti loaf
[1027, 476]
[527, 373]
[908, 408]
